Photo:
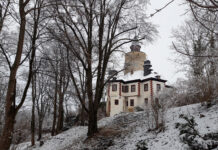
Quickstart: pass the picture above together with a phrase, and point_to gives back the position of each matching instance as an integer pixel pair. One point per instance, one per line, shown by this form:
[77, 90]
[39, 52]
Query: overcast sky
[159, 51]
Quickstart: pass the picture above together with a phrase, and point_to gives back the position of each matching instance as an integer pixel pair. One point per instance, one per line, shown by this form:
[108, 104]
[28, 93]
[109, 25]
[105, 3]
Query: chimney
[158, 76]
[147, 67]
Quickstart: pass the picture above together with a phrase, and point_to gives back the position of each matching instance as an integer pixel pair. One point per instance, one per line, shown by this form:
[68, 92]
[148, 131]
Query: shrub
[190, 135]
[142, 145]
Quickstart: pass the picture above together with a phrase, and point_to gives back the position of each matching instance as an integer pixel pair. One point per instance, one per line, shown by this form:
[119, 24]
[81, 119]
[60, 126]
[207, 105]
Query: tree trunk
[1, 18]
[40, 129]
[11, 111]
[33, 113]
[60, 113]
[7, 134]
[82, 119]
[156, 119]
[93, 126]
[55, 109]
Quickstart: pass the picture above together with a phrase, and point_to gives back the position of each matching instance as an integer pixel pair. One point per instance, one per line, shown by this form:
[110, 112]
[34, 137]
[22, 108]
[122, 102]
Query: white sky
[159, 51]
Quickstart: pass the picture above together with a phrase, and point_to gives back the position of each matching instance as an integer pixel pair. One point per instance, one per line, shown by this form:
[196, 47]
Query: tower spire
[135, 47]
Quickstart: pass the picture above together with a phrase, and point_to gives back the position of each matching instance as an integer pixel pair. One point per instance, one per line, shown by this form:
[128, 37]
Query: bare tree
[57, 70]
[205, 13]
[33, 109]
[42, 100]
[12, 106]
[78, 22]
[197, 48]
[211, 5]
[62, 88]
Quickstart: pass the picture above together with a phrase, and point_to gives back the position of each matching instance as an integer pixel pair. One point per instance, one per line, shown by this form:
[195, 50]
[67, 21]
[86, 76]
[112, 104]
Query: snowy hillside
[125, 130]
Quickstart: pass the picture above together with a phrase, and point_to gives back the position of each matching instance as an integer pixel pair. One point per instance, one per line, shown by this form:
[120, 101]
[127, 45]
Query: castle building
[137, 86]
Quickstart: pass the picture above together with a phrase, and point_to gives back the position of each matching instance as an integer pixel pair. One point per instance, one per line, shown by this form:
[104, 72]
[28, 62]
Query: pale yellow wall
[145, 94]
[116, 109]
[155, 86]
[138, 100]
[114, 93]
[134, 61]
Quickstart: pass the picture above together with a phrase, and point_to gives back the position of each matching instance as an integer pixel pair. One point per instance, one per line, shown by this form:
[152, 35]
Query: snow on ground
[133, 127]
[169, 140]
[61, 141]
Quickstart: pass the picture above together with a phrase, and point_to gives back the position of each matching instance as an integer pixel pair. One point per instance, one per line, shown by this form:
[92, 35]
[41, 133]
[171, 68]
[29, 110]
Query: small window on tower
[116, 102]
[132, 102]
[145, 87]
[114, 87]
[132, 88]
[127, 103]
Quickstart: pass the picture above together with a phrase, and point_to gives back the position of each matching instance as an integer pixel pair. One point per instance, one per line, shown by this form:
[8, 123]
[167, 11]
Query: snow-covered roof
[137, 75]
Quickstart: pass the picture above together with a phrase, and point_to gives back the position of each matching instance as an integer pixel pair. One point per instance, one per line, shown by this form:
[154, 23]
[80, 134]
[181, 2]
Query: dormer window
[114, 87]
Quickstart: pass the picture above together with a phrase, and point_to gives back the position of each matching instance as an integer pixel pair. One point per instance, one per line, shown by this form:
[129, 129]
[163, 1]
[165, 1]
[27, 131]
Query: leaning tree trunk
[7, 134]
[11, 110]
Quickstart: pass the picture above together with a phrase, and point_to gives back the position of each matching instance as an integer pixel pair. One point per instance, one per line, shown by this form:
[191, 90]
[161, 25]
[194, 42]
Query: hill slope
[123, 131]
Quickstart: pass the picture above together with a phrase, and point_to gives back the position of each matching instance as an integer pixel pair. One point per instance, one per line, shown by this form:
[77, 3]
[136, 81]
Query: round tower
[134, 60]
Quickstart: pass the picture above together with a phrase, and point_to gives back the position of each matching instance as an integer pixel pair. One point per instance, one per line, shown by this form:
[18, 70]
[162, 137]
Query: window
[114, 87]
[125, 89]
[132, 102]
[127, 103]
[158, 87]
[145, 87]
[116, 102]
[146, 101]
[132, 88]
